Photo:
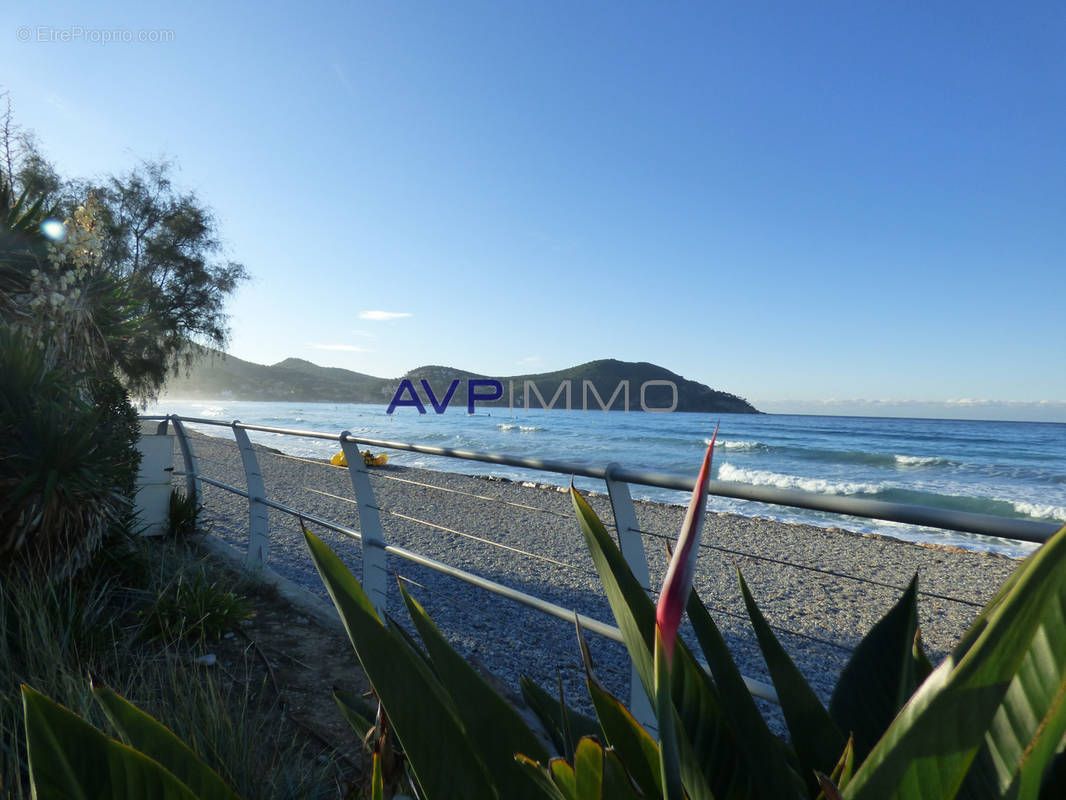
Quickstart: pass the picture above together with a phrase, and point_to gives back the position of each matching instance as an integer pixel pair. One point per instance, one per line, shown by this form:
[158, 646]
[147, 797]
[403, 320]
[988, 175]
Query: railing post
[258, 516]
[631, 543]
[375, 573]
[193, 487]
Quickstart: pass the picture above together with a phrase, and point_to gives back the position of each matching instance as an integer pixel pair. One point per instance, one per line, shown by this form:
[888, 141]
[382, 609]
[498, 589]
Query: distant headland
[215, 375]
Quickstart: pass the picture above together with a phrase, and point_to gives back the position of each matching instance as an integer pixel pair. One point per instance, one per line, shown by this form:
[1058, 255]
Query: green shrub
[194, 608]
[184, 513]
[67, 461]
[56, 635]
[68, 433]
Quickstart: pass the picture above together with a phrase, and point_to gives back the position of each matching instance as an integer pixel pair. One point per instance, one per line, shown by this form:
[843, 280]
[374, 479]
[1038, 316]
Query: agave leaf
[771, 780]
[1003, 661]
[588, 769]
[634, 745]
[816, 738]
[541, 777]
[555, 719]
[569, 740]
[682, 569]
[829, 790]
[669, 750]
[880, 676]
[442, 757]
[711, 763]
[628, 737]
[1053, 785]
[708, 748]
[69, 759]
[617, 782]
[922, 665]
[489, 720]
[354, 710]
[377, 783]
[154, 740]
[630, 605]
[565, 777]
[1029, 725]
[831, 785]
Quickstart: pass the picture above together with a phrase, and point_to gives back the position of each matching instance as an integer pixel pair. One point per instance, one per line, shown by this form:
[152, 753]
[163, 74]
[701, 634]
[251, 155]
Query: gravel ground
[833, 588]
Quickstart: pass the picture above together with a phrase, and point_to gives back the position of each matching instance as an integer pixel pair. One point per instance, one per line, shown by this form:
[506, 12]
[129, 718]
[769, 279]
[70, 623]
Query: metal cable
[476, 496]
[820, 570]
[431, 486]
[654, 593]
[479, 539]
[770, 559]
[379, 509]
[316, 461]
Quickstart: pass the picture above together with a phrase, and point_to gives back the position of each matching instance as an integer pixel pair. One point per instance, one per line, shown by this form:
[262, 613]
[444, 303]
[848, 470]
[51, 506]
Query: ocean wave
[870, 458]
[1039, 510]
[212, 411]
[725, 444]
[920, 461]
[758, 477]
[505, 426]
[894, 494]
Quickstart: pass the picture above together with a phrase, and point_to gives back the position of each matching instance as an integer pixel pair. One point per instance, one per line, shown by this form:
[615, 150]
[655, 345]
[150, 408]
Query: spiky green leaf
[880, 676]
[69, 759]
[815, 737]
[156, 741]
[441, 755]
[744, 716]
[1001, 663]
[491, 722]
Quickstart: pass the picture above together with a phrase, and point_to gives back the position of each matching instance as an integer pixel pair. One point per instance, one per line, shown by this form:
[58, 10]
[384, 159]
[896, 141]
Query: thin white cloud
[365, 334]
[346, 348]
[379, 316]
[529, 360]
[55, 101]
[342, 76]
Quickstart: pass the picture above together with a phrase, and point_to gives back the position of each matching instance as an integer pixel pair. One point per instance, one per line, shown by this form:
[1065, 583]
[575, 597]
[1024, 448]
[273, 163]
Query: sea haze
[1012, 469]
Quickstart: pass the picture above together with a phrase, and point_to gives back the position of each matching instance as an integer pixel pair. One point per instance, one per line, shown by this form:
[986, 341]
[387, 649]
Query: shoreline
[910, 532]
[754, 518]
[822, 590]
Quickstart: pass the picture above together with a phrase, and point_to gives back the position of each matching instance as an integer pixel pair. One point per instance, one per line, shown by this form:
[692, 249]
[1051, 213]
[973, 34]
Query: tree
[165, 245]
[160, 244]
[121, 290]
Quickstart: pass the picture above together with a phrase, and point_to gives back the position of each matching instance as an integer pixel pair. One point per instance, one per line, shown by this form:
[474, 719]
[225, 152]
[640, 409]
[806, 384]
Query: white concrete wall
[153, 481]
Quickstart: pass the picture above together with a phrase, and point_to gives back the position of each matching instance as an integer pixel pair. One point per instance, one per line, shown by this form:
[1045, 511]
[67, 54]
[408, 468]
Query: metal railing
[617, 479]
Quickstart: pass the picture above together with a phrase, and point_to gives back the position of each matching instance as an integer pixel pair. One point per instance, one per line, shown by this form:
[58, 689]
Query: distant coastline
[618, 385]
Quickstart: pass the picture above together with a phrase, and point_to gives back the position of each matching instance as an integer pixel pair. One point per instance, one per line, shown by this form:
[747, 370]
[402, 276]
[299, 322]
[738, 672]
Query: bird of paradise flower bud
[682, 569]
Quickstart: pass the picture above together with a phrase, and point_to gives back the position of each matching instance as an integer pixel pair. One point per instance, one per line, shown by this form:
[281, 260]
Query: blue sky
[827, 207]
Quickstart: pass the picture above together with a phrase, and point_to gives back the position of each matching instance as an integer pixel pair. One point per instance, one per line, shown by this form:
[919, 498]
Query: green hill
[605, 376]
[216, 375]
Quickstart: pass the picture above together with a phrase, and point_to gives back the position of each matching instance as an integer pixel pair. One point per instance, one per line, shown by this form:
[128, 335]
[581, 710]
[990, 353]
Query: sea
[1010, 469]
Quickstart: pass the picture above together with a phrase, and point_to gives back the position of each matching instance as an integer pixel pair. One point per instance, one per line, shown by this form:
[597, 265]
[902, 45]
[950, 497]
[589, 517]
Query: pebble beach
[821, 589]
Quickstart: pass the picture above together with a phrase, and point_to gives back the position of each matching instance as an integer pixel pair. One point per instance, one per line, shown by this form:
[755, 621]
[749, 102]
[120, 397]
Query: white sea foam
[758, 477]
[212, 411]
[1040, 510]
[529, 428]
[505, 427]
[725, 444]
[511, 426]
[919, 461]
